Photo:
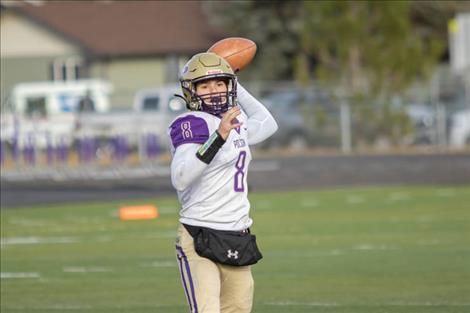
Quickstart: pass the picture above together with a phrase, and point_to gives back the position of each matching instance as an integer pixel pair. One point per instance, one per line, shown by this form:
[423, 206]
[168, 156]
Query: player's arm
[186, 168]
[187, 134]
[261, 124]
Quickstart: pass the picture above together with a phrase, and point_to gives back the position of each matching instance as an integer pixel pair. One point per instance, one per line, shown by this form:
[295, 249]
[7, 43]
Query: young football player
[210, 159]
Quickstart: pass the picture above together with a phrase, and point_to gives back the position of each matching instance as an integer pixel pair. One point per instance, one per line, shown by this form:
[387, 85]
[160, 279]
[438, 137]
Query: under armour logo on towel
[232, 255]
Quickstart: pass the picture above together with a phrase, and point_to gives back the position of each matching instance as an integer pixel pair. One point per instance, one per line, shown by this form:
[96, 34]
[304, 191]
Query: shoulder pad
[188, 129]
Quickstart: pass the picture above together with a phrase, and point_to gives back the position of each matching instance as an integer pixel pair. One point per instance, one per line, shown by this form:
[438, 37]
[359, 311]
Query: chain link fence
[434, 116]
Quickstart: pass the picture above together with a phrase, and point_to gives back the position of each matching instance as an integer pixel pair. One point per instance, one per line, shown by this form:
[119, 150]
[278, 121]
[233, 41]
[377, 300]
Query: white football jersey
[218, 198]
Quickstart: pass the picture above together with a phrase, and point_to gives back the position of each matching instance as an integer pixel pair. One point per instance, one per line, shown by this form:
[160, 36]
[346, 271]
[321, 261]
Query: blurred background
[360, 200]
[87, 87]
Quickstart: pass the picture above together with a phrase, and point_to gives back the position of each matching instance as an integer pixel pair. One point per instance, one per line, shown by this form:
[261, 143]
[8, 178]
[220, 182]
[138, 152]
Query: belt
[194, 230]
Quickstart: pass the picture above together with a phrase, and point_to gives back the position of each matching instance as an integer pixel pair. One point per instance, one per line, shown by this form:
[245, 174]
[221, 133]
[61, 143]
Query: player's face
[212, 91]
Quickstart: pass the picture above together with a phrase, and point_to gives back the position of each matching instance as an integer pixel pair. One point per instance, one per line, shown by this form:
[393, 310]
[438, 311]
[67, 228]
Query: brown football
[237, 51]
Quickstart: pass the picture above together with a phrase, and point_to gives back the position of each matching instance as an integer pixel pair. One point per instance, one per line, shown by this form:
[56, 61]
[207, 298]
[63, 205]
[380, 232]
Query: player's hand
[229, 122]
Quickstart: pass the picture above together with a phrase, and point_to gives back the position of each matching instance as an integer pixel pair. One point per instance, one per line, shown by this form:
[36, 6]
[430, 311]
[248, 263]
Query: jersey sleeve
[189, 129]
[186, 168]
[261, 124]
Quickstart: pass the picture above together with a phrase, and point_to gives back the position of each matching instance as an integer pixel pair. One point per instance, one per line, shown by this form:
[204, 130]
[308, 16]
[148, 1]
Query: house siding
[28, 49]
[27, 52]
[23, 38]
[19, 70]
[130, 75]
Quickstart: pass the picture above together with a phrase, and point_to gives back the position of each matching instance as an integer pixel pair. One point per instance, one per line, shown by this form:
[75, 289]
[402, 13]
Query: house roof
[123, 28]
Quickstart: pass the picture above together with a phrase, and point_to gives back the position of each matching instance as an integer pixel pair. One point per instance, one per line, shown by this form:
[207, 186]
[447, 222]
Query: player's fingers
[235, 125]
[232, 113]
[233, 110]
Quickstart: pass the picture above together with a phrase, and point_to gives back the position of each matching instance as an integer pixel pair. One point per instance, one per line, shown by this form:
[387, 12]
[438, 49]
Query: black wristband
[209, 149]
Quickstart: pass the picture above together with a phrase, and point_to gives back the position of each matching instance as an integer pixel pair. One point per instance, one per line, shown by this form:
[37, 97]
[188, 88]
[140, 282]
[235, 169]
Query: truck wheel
[298, 142]
[467, 141]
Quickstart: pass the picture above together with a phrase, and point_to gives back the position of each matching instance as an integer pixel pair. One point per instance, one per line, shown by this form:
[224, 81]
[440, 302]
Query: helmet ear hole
[192, 103]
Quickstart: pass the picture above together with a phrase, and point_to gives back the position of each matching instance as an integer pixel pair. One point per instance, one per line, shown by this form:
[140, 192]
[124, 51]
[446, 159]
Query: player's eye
[221, 86]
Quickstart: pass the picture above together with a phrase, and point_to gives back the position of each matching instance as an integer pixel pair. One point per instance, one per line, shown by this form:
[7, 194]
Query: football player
[210, 146]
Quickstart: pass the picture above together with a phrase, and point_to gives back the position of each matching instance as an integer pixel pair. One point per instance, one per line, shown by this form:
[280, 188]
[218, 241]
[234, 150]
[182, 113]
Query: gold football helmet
[206, 66]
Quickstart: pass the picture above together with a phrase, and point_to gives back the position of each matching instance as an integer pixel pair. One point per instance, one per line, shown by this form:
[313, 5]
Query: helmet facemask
[208, 66]
[214, 103]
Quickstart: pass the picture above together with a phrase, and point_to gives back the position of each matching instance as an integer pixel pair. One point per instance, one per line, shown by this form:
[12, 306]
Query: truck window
[36, 107]
[86, 104]
[68, 102]
[151, 104]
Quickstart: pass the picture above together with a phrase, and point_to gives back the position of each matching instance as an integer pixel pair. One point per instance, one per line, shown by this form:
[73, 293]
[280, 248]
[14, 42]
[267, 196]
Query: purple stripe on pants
[188, 271]
[184, 283]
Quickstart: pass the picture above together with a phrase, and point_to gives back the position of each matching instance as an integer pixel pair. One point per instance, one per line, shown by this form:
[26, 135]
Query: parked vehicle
[460, 129]
[423, 118]
[151, 112]
[48, 109]
[301, 116]
[44, 110]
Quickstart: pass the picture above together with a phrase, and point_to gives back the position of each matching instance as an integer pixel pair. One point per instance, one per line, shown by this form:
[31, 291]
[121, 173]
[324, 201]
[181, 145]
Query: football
[237, 51]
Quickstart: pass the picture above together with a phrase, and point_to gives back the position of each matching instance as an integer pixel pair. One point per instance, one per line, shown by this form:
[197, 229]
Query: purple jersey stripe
[235, 121]
[188, 129]
[188, 271]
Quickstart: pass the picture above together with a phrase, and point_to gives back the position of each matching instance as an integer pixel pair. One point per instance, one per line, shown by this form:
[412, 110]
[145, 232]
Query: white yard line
[430, 242]
[85, 269]
[355, 199]
[295, 303]
[448, 192]
[399, 304]
[29, 222]
[426, 304]
[307, 203]
[8, 275]
[159, 264]
[37, 240]
[57, 307]
[366, 246]
[262, 205]
[398, 196]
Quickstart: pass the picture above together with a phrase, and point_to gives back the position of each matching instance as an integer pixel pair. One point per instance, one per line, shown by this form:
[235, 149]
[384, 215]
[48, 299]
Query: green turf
[380, 250]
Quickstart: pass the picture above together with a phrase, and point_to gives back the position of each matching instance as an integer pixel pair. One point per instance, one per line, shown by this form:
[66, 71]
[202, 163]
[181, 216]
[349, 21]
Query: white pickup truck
[39, 111]
[152, 111]
[49, 112]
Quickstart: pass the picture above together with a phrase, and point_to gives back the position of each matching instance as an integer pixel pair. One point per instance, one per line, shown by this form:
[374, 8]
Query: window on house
[36, 107]
[151, 104]
[67, 69]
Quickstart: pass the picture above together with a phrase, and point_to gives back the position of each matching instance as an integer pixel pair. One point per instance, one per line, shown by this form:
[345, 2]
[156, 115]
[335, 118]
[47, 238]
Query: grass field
[394, 249]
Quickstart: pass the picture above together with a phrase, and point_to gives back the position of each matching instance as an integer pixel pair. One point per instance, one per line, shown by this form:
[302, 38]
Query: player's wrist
[209, 149]
[223, 133]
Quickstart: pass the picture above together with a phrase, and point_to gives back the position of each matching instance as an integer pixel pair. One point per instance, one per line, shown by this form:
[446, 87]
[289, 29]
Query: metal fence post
[345, 117]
